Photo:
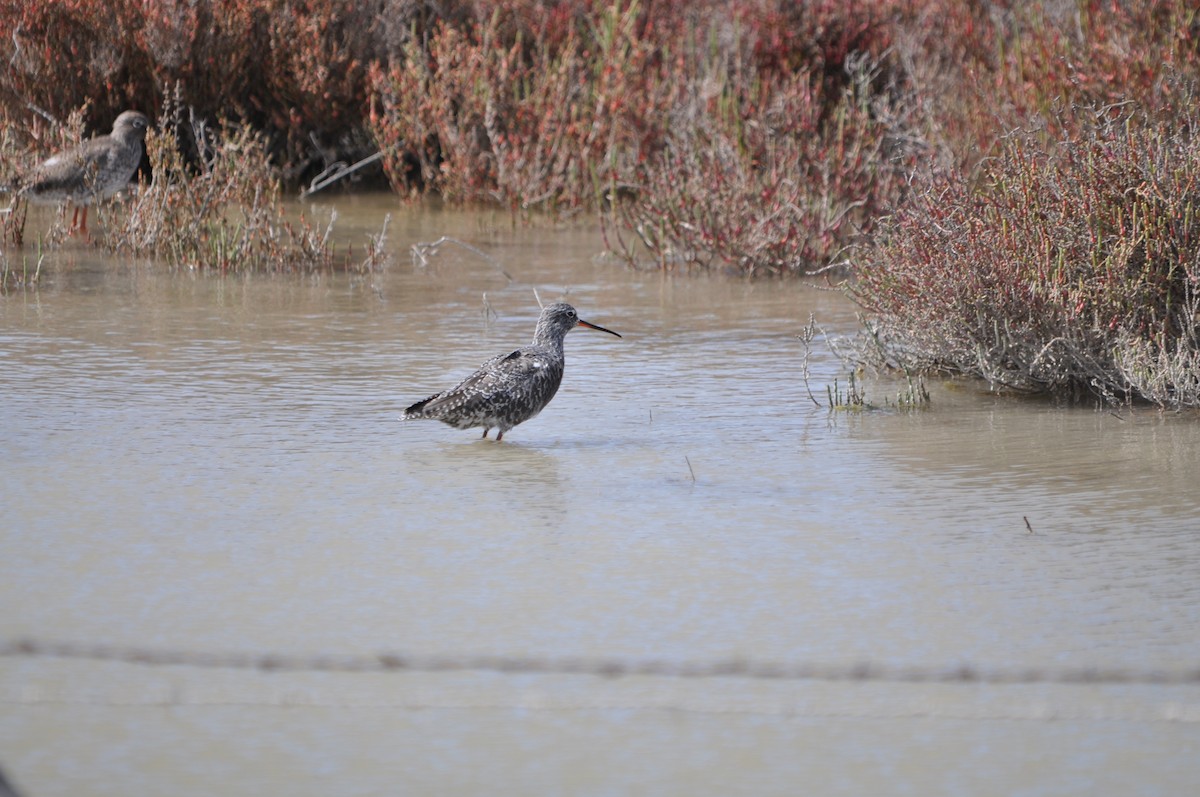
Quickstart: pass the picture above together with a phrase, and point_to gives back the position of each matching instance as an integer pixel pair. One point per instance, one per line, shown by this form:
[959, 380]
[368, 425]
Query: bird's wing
[66, 168]
[493, 379]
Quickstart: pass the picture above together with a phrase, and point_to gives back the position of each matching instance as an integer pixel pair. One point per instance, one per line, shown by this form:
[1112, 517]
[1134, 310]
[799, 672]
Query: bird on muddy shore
[509, 388]
[96, 169]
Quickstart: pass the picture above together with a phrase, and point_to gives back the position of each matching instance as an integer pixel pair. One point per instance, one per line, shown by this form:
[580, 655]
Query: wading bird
[96, 169]
[510, 388]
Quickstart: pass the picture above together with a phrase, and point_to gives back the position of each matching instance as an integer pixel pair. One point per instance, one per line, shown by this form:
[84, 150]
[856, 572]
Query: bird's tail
[416, 410]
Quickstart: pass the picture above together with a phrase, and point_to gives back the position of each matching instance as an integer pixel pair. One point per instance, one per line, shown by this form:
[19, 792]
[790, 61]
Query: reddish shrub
[983, 69]
[1075, 269]
[779, 192]
[296, 71]
[702, 123]
[759, 134]
[478, 119]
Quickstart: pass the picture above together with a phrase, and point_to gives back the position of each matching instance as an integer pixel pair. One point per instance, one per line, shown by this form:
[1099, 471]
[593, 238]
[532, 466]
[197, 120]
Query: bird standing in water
[510, 388]
[96, 169]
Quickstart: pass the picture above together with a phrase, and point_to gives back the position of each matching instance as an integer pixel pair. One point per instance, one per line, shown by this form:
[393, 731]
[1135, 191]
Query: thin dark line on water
[689, 464]
[1023, 517]
[607, 667]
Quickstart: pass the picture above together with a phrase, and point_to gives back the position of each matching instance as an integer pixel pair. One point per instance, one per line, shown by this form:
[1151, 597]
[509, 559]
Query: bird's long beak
[589, 325]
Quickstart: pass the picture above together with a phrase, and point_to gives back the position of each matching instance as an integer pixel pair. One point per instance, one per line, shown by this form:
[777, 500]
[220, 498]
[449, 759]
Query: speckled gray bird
[509, 388]
[96, 169]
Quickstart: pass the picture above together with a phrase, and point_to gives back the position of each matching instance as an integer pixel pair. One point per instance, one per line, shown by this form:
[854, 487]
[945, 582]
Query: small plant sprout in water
[222, 210]
[25, 277]
[806, 337]
[852, 396]
[915, 396]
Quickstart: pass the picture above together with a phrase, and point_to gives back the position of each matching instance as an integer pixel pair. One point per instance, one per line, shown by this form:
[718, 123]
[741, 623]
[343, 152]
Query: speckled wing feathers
[506, 390]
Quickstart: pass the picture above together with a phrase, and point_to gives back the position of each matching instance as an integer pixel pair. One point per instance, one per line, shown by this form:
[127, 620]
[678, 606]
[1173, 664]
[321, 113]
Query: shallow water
[216, 465]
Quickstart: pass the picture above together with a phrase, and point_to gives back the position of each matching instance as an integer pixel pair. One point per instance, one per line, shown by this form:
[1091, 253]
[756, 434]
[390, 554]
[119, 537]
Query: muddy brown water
[215, 465]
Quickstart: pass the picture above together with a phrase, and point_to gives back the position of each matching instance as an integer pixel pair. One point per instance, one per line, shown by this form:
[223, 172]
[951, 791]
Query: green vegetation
[1009, 188]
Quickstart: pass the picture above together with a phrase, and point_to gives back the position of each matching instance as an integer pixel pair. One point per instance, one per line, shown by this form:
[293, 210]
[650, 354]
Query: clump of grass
[529, 110]
[915, 396]
[853, 396]
[1072, 270]
[851, 399]
[27, 276]
[777, 185]
[225, 214]
[781, 147]
[716, 140]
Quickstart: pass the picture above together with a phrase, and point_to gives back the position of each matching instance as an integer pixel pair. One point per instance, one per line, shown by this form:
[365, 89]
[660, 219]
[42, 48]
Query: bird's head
[560, 318]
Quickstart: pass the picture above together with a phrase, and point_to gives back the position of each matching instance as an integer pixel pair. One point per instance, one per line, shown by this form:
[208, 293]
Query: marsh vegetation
[1008, 189]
